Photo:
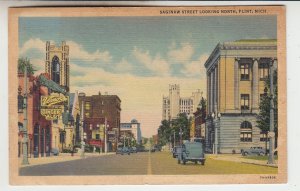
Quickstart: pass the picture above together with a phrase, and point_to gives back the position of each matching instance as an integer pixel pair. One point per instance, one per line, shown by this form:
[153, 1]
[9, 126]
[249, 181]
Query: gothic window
[244, 68]
[246, 131]
[56, 69]
[244, 101]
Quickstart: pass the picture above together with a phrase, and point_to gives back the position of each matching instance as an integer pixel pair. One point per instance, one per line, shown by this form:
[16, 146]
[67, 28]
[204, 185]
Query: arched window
[246, 125]
[246, 131]
[56, 69]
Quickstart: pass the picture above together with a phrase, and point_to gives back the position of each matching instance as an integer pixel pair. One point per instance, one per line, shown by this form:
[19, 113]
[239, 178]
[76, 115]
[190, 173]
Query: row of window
[245, 71]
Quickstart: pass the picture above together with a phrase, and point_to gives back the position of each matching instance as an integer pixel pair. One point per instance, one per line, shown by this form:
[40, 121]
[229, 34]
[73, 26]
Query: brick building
[100, 110]
[38, 128]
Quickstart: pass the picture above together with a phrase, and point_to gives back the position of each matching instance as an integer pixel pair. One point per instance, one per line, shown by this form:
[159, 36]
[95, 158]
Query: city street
[157, 163]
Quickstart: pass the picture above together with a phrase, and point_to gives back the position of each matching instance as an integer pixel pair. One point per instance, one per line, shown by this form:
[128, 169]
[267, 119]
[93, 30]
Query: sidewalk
[62, 157]
[240, 159]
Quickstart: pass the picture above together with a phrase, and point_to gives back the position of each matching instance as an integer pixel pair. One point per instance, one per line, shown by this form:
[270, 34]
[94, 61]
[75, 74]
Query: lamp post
[82, 130]
[25, 133]
[105, 135]
[216, 144]
[180, 134]
[271, 133]
[174, 139]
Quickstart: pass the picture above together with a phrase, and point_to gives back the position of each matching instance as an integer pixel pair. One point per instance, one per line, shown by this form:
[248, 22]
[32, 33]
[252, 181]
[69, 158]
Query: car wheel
[245, 153]
[261, 154]
[202, 163]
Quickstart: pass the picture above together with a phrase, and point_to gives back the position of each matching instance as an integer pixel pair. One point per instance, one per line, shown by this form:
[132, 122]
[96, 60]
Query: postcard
[147, 95]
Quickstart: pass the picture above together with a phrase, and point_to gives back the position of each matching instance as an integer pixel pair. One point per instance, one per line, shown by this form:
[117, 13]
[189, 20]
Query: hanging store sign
[47, 101]
[52, 107]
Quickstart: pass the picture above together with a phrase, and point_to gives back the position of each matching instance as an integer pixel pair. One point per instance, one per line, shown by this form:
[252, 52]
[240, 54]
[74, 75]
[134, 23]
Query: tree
[22, 62]
[164, 132]
[263, 118]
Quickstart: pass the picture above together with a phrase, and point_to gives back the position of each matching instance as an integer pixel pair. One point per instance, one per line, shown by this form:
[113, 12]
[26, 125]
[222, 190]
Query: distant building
[200, 117]
[134, 127]
[236, 72]
[174, 104]
[96, 109]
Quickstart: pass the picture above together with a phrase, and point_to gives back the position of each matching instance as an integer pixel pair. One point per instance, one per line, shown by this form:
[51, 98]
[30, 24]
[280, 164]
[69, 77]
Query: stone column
[236, 83]
[212, 90]
[215, 88]
[255, 81]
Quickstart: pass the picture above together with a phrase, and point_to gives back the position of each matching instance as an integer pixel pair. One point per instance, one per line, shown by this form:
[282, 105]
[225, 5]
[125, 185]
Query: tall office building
[174, 104]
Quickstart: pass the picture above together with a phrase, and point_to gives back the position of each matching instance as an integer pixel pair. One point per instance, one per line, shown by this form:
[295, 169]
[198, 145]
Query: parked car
[133, 150]
[123, 150]
[176, 150]
[55, 151]
[253, 151]
[191, 151]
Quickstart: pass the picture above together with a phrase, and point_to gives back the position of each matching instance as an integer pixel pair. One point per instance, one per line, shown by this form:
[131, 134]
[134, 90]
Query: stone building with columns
[236, 72]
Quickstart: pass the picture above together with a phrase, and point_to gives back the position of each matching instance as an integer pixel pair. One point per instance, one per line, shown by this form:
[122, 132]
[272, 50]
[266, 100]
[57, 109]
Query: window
[244, 101]
[20, 103]
[87, 105]
[263, 137]
[263, 71]
[246, 131]
[56, 69]
[244, 71]
[97, 136]
[246, 137]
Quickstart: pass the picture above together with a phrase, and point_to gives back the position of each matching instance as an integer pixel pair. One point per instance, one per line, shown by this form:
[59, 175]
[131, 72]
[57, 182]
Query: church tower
[57, 64]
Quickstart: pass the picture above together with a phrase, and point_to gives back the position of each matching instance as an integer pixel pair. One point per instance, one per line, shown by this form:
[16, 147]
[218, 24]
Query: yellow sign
[52, 107]
[52, 113]
[53, 100]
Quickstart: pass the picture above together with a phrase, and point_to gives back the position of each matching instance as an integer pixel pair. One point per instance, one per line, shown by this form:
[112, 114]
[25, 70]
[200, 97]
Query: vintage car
[192, 151]
[253, 151]
[175, 151]
[123, 150]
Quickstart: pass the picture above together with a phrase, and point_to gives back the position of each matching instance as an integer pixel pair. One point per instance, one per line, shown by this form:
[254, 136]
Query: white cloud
[182, 54]
[196, 68]
[36, 43]
[141, 96]
[123, 66]
[78, 52]
[157, 64]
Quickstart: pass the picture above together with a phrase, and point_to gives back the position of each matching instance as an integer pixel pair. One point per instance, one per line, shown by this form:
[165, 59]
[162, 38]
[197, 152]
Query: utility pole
[105, 136]
[174, 139]
[82, 130]
[25, 134]
[271, 133]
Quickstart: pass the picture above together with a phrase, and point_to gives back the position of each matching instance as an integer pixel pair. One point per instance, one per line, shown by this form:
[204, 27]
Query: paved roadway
[141, 164]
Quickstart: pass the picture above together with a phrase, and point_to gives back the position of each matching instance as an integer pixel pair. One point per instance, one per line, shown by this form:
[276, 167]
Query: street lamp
[105, 135]
[216, 144]
[180, 134]
[25, 133]
[271, 133]
[82, 130]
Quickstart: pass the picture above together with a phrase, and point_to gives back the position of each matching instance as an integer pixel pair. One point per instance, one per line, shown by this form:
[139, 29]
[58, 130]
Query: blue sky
[137, 57]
